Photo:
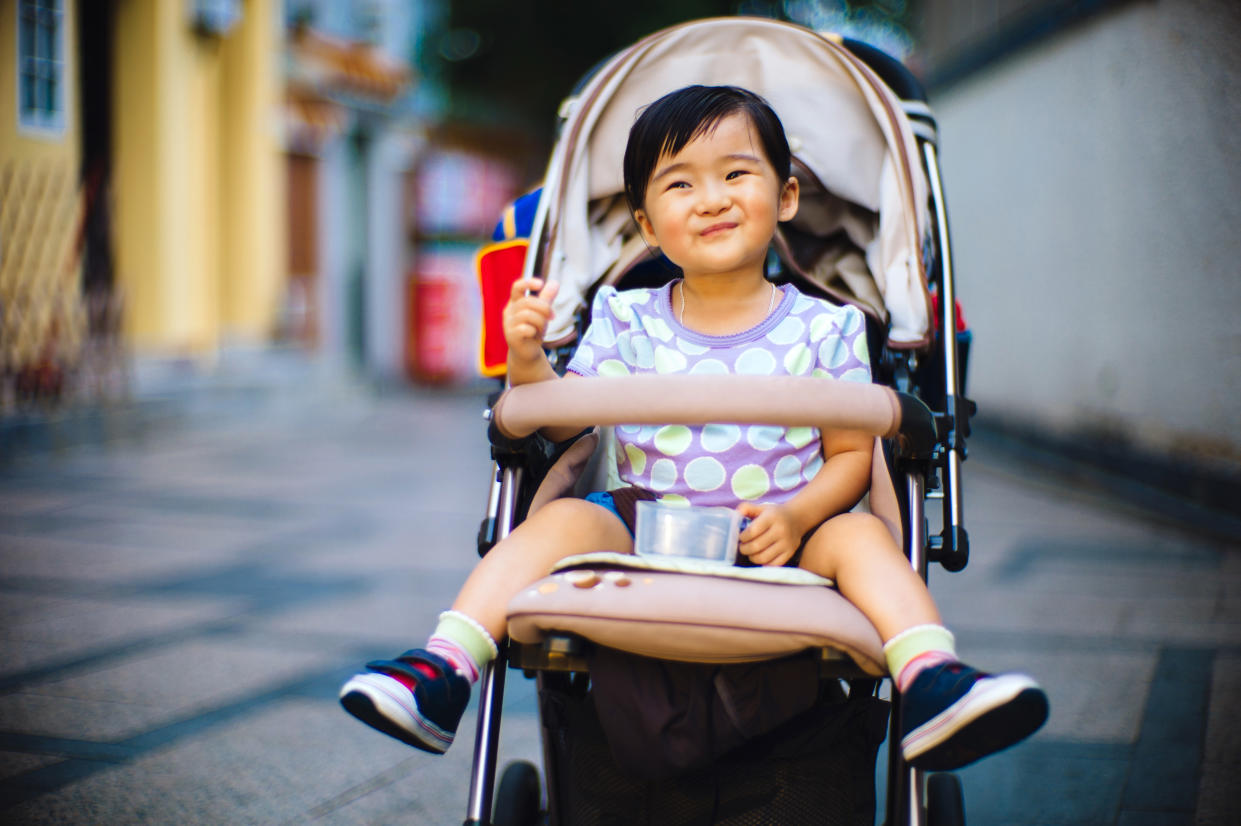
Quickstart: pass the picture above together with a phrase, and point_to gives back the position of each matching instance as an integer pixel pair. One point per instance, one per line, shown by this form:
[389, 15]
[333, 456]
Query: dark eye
[678, 185]
[736, 173]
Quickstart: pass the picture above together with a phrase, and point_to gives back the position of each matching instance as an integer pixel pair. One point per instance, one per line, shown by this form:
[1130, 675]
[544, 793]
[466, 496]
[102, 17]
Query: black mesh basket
[818, 768]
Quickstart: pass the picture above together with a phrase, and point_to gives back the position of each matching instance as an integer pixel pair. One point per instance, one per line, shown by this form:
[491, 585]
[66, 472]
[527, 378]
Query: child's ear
[789, 200]
[646, 228]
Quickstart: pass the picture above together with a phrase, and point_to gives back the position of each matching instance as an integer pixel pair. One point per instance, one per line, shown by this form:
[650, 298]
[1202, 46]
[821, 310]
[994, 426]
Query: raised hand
[526, 317]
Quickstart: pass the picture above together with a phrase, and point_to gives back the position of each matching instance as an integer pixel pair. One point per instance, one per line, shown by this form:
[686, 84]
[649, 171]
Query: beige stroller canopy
[864, 213]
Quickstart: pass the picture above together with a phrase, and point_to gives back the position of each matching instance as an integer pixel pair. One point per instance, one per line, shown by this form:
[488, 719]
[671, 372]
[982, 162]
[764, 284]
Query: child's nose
[714, 199]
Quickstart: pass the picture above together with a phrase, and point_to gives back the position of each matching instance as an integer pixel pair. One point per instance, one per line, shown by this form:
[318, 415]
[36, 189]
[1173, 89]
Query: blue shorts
[604, 499]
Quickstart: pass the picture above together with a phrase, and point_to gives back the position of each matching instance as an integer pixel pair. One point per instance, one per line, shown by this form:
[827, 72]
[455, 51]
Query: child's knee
[577, 516]
[861, 527]
[570, 509]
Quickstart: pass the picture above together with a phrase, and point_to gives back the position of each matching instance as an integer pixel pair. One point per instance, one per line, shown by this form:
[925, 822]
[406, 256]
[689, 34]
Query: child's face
[713, 207]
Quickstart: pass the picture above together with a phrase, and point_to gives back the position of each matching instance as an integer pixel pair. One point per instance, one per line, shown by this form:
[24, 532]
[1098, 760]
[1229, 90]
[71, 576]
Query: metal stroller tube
[491, 684]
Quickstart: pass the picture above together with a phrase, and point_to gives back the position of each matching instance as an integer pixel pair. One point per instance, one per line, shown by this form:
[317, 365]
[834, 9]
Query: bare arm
[526, 316]
[777, 530]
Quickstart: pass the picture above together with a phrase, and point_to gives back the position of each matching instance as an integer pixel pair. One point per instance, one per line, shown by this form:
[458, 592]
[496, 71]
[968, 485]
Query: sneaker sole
[373, 702]
[990, 717]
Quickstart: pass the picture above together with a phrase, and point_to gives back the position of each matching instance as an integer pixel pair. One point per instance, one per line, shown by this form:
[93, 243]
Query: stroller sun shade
[864, 214]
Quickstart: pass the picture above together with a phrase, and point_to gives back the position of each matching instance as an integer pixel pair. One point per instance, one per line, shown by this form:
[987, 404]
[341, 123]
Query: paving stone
[1219, 800]
[399, 618]
[176, 616]
[122, 698]
[86, 560]
[63, 630]
[13, 762]
[289, 763]
[1087, 706]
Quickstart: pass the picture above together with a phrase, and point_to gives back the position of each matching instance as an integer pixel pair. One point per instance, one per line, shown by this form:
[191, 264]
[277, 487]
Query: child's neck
[720, 305]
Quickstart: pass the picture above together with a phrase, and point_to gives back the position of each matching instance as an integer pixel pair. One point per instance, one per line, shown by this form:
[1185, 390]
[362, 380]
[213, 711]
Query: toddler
[707, 175]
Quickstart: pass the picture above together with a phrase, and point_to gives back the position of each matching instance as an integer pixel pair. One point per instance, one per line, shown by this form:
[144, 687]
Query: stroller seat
[623, 607]
[872, 233]
[681, 609]
[743, 615]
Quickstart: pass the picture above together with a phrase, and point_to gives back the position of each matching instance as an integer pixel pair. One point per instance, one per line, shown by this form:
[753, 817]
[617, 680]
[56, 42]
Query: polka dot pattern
[663, 474]
[720, 464]
[668, 360]
[755, 362]
[637, 458]
[788, 472]
[705, 474]
[716, 438]
[750, 483]
[673, 440]
[764, 437]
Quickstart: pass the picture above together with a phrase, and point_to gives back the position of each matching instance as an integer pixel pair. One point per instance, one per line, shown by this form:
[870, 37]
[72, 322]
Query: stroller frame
[925, 462]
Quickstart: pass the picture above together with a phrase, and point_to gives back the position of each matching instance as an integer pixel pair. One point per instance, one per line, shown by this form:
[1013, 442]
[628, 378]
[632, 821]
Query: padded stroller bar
[789, 401]
[695, 618]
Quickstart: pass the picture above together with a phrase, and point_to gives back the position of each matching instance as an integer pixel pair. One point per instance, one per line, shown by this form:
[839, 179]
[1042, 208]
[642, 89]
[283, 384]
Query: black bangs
[666, 126]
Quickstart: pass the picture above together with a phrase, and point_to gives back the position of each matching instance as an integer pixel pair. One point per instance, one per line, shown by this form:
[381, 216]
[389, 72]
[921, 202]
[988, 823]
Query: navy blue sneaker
[424, 716]
[952, 715]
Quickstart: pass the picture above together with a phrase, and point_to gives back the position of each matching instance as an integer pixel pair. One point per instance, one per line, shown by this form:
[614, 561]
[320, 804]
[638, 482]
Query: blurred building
[355, 112]
[1093, 171]
[140, 168]
[43, 321]
[388, 203]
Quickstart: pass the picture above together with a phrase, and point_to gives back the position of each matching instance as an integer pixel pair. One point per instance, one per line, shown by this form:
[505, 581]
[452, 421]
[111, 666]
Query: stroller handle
[789, 401]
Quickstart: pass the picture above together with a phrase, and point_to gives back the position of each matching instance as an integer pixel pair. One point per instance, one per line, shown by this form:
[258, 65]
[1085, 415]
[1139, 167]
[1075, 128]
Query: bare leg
[856, 550]
[559, 529]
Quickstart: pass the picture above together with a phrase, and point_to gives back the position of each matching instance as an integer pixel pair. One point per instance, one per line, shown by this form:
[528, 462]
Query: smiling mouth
[717, 228]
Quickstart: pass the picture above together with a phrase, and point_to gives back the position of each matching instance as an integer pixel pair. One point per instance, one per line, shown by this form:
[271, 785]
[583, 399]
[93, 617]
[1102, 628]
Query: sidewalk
[162, 395]
[180, 606]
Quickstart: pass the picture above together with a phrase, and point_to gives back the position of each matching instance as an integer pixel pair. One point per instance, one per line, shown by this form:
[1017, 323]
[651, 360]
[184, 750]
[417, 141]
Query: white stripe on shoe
[396, 705]
[986, 695]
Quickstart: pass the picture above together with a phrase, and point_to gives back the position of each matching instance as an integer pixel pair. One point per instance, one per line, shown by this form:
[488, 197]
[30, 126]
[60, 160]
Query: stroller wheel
[945, 802]
[517, 797]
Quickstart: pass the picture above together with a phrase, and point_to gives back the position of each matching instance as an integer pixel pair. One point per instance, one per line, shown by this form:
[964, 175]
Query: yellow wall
[252, 182]
[197, 177]
[62, 149]
[41, 322]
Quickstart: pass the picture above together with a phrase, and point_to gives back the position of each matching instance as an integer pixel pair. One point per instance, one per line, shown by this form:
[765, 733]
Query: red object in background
[961, 325]
[431, 340]
[499, 265]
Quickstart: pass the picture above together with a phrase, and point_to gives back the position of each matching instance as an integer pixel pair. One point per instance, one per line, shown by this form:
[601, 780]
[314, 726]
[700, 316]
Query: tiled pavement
[176, 613]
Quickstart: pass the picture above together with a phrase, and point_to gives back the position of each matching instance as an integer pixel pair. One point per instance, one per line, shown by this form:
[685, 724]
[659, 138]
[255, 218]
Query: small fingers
[757, 544]
[550, 292]
[523, 287]
[526, 314]
[777, 554]
[532, 287]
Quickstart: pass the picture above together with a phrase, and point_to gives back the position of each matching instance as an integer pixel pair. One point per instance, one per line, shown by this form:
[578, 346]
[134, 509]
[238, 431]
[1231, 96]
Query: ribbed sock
[916, 648]
[464, 642]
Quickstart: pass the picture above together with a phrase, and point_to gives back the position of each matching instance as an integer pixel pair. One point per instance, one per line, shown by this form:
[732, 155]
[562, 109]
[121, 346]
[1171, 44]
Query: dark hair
[668, 124]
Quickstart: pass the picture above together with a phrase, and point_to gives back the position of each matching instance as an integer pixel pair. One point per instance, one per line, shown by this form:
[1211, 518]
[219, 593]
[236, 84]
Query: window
[215, 17]
[40, 65]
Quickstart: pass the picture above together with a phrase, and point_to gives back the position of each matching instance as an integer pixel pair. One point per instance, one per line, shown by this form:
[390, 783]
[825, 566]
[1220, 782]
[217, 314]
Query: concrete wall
[1094, 189]
[333, 205]
[387, 254]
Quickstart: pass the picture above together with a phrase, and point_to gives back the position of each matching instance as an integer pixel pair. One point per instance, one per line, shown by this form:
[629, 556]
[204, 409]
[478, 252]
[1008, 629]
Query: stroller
[871, 232]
